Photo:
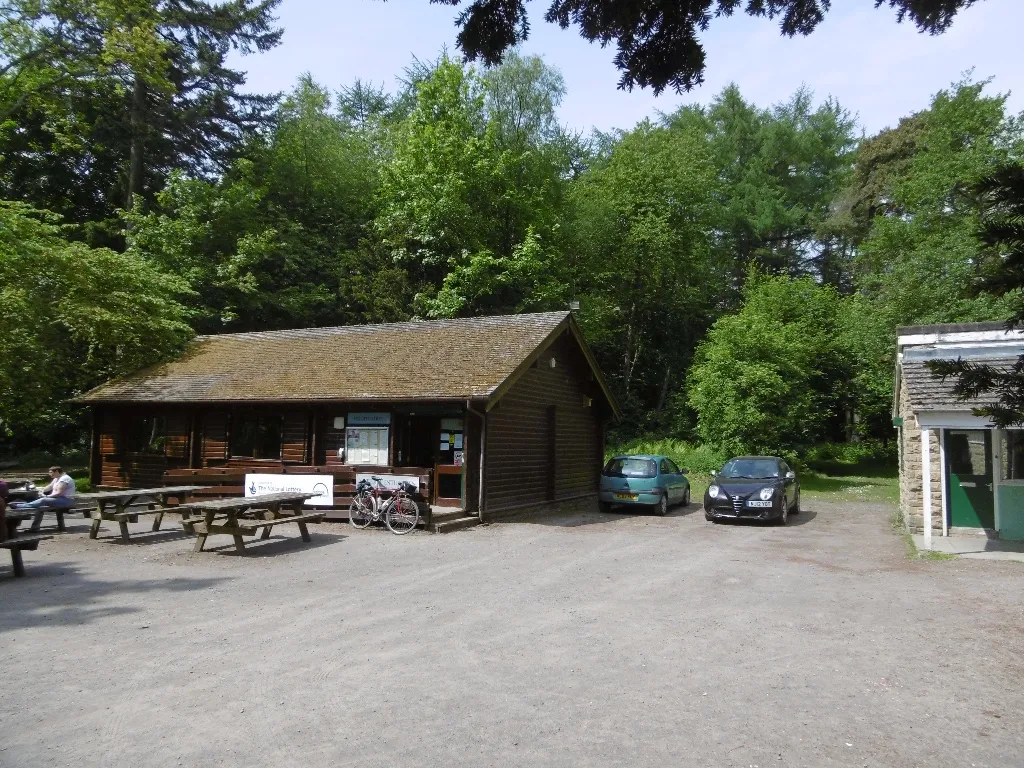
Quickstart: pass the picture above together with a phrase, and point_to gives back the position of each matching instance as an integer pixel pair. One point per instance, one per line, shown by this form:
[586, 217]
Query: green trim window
[1013, 454]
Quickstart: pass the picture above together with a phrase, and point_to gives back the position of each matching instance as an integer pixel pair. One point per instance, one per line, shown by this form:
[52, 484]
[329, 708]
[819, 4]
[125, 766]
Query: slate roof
[415, 361]
[931, 393]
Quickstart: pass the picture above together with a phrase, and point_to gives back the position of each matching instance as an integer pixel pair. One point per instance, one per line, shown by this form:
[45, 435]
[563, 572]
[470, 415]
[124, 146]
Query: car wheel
[784, 517]
[661, 508]
[796, 506]
[604, 506]
[710, 519]
[686, 497]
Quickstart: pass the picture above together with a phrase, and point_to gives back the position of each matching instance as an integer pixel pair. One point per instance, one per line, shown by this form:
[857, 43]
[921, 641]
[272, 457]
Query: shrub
[700, 459]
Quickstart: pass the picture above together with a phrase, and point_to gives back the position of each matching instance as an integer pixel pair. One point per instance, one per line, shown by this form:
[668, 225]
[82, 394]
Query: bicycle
[399, 511]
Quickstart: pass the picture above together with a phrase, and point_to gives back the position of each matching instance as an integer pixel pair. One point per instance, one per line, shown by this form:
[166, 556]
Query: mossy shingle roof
[429, 360]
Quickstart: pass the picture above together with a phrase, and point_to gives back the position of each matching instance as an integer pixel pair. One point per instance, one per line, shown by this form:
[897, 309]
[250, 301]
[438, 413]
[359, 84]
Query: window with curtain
[1013, 454]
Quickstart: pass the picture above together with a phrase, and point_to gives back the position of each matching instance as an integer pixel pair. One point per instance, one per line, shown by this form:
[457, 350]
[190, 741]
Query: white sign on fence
[389, 482]
[322, 485]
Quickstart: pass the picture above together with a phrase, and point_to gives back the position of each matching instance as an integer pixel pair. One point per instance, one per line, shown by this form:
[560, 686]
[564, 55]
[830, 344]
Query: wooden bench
[129, 503]
[59, 512]
[19, 543]
[233, 517]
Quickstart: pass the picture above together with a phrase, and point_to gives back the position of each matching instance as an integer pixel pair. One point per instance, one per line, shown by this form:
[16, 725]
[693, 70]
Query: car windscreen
[751, 468]
[625, 467]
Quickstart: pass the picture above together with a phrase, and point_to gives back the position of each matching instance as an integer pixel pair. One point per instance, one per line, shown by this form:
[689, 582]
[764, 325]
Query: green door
[969, 458]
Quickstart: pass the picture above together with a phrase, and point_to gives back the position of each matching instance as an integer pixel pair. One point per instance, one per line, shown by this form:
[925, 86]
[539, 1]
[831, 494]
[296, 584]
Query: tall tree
[777, 375]
[471, 187]
[641, 261]
[276, 241]
[781, 169]
[70, 318]
[1002, 229]
[105, 100]
[913, 208]
[657, 41]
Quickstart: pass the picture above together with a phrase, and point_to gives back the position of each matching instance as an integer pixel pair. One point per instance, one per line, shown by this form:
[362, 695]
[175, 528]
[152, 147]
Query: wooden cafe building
[487, 415]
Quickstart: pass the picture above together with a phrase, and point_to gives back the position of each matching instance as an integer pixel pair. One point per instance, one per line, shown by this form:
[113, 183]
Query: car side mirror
[791, 475]
[684, 471]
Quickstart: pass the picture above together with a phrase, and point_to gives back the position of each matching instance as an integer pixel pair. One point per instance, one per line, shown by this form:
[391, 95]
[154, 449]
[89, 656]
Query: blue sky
[877, 69]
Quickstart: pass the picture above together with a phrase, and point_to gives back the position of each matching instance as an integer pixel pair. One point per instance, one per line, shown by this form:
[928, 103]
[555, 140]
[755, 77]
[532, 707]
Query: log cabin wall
[544, 440]
[119, 461]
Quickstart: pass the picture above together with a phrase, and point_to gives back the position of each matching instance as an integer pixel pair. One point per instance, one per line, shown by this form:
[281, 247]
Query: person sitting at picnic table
[60, 492]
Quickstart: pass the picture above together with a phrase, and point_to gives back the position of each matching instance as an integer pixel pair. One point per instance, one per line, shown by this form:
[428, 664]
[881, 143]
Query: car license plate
[626, 496]
[753, 503]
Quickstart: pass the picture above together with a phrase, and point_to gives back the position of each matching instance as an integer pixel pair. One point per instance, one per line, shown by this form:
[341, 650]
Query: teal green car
[645, 480]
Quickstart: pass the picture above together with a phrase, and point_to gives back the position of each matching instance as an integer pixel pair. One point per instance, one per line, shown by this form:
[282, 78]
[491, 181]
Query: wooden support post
[239, 544]
[200, 541]
[926, 484]
[95, 528]
[123, 525]
[19, 564]
[157, 519]
[304, 531]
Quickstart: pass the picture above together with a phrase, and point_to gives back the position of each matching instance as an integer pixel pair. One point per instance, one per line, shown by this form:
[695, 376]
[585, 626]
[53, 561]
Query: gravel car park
[569, 639]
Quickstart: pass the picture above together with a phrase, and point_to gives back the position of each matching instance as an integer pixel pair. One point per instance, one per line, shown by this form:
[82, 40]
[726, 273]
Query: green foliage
[70, 318]
[461, 194]
[276, 242]
[642, 262]
[920, 254]
[776, 375]
[659, 44]
[780, 170]
[700, 459]
[100, 101]
[471, 190]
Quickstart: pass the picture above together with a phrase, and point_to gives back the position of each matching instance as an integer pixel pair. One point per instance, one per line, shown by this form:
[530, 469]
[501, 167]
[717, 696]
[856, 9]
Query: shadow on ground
[53, 594]
[805, 517]
[590, 515]
[274, 546]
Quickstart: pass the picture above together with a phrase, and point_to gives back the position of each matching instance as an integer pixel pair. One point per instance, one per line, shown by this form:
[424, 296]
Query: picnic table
[15, 543]
[18, 489]
[13, 518]
[114, 505]
[222, 516]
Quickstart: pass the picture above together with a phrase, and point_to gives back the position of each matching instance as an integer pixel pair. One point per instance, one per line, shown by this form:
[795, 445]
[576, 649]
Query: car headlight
[767, 493]
[713, 491]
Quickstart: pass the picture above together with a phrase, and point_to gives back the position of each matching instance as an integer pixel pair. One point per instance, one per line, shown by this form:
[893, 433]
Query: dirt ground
[570, 640]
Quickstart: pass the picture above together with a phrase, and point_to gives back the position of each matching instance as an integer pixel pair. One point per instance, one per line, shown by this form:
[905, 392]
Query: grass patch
[874, 488]
[933, 555]
[832, 472]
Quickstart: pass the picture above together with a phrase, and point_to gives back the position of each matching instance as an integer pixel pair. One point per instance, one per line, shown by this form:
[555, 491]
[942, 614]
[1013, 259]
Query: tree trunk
[135, 166]
[664, 389]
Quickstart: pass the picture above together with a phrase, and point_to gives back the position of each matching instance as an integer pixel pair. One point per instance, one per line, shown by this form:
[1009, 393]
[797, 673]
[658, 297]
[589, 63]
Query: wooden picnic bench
[19, 543]
[157, 499]
[221, 516]
[10, 540]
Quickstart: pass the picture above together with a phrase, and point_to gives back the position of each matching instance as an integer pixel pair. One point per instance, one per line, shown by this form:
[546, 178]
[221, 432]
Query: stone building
[957, 472]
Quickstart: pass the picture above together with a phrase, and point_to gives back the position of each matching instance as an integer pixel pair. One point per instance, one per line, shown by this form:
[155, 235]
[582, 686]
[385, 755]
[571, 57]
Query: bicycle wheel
[402, 516]
[360, 511]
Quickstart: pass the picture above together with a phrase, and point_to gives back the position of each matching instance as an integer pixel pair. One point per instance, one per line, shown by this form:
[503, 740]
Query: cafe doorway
[450, 487]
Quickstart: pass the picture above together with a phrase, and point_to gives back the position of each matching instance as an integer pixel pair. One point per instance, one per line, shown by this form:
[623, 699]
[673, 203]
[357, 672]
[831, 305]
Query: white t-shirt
[63, 486]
